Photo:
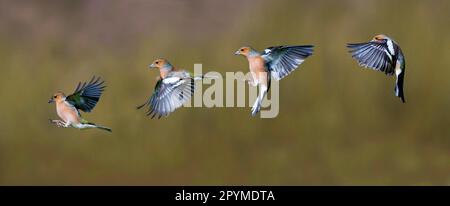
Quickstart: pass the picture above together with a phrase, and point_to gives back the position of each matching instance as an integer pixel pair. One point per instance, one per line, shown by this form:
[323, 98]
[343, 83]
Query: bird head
[244, 51]
[57, 97]
[380, 38]
[161, 64]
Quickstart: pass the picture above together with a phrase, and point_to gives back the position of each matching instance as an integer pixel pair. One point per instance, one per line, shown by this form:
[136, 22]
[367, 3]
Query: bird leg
[59, 123]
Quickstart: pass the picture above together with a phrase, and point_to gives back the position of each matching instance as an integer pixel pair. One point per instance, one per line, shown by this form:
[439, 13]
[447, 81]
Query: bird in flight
[382, 54]
[173, 88]
[84, 98]
[276, 62]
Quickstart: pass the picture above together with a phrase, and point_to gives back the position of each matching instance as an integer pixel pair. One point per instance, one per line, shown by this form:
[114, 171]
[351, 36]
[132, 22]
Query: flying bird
[382, 54]
[173, 88]
[276, 62]
[84, 98]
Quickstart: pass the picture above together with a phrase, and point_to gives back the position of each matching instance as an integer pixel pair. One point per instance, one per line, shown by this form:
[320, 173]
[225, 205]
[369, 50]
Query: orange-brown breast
[256, 64]
[67, 113]
[258, 67]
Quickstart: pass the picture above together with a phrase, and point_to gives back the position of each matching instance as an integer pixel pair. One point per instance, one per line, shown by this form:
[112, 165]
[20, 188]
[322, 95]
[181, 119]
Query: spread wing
[86, 95]
[282, 60]
[374, 55]
[169, 94]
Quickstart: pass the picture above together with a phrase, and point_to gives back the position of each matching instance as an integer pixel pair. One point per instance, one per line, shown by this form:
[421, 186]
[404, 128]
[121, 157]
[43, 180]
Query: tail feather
[257, 105]
[100, 127]
[399, 87]
[104, 128]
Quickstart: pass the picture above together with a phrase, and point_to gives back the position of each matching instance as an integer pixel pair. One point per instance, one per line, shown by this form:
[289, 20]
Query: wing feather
[169, 95]
[282, 60]
[87, 94]
[373, 55]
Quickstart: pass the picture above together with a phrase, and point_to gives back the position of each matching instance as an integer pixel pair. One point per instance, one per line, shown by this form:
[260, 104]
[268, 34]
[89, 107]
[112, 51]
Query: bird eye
[242, 50]
[157, 62]
[54, 96]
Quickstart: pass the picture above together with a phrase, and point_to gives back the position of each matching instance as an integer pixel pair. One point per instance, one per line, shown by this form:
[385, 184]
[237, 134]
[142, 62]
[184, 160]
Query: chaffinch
[276, 62]
[382, 54]
[173, 88]
[84, 98]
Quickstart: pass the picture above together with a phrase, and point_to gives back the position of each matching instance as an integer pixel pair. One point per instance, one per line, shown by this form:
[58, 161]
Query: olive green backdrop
[338, 124]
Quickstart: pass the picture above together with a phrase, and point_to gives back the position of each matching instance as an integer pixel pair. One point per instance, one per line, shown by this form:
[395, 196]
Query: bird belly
[67, 114]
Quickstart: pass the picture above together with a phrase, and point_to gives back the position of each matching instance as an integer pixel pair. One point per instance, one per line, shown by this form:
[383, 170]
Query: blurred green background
[338, 124]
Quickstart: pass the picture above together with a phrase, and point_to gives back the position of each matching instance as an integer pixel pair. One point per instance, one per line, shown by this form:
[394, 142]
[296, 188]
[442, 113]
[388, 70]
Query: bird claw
[58, 123]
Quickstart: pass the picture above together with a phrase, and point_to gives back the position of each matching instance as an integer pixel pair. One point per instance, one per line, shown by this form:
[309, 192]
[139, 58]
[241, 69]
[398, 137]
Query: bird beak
[151, 66]
[237, 52]
[51, 100]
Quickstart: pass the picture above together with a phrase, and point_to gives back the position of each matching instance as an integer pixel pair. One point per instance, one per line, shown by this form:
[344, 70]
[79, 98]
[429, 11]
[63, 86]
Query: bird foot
[58, 123]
